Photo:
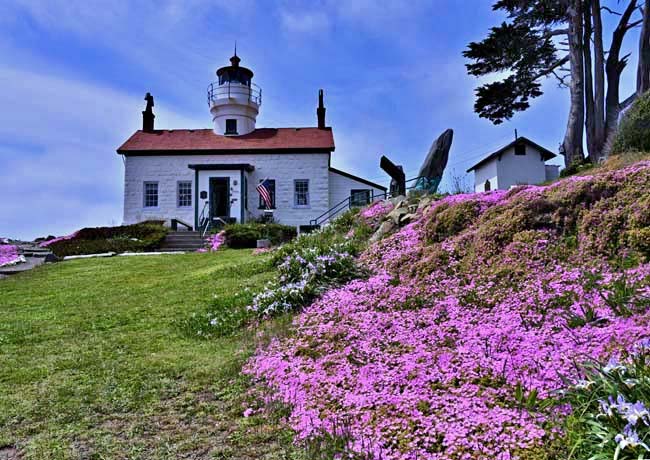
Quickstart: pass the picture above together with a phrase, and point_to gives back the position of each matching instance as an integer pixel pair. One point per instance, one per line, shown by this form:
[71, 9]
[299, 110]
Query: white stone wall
[485, 172]
[341, 187]
[552, 172]
[284, 168]
[511, 170]
[521, 169]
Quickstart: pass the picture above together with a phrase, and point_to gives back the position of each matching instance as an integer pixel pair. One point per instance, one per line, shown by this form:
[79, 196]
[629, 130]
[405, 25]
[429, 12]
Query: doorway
[219, 197]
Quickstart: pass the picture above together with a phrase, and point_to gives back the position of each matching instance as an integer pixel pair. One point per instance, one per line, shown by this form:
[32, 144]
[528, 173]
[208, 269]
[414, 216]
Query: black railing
[204, 220]
[347, 204]
[341, 207]
[176, 222]
[236, 90]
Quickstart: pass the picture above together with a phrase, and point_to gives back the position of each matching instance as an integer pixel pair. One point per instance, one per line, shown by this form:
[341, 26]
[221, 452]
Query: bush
[634, 130]
[141, 237]
[304, 274]
[611, 415]
[246, 235]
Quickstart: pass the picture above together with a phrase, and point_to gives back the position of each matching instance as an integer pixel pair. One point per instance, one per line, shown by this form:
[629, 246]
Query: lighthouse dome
[234, 100]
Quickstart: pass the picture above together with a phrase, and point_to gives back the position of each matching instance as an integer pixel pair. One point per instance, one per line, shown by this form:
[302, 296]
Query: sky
[73, 74]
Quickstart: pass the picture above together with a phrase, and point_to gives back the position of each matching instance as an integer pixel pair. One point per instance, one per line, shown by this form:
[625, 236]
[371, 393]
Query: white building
[522, 162]
[192, 174]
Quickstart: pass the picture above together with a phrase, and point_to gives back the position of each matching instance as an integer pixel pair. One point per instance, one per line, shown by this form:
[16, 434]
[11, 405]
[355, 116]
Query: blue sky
[73, 74]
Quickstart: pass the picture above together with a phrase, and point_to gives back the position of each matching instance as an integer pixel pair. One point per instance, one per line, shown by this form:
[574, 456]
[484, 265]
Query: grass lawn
[94, 363]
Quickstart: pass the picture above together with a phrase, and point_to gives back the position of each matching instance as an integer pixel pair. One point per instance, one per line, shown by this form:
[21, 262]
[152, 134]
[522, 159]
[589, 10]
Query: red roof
[180, 140]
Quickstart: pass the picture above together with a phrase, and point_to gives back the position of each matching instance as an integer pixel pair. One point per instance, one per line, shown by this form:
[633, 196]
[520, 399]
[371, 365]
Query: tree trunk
[590, 121]
[614, 67]
[572, 144]
[599, 83]
[643, 69]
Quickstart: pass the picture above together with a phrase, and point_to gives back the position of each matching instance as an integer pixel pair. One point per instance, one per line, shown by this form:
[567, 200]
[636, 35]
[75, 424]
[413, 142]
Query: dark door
[219, 197]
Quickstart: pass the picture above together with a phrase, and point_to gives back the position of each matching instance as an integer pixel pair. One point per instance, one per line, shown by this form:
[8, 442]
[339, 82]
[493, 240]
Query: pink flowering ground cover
[47, 243]
[473, 319]
[9, 254]
[215, 241]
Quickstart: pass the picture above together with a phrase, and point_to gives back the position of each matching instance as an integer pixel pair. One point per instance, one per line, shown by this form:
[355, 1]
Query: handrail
[204, 223]
[339, 207]
[228, 90]
[175, 222]
[334, 210]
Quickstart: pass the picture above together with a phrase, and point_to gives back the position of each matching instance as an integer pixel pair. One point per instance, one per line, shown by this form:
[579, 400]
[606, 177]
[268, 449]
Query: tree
[528, 49]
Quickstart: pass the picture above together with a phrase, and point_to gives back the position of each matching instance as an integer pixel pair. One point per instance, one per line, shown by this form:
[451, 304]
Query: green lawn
[94, 363]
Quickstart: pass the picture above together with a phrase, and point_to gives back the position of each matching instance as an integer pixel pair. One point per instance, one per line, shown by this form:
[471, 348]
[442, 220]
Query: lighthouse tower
[234, 100]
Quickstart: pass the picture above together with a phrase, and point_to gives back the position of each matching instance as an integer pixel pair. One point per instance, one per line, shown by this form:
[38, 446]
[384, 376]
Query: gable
[495, 156]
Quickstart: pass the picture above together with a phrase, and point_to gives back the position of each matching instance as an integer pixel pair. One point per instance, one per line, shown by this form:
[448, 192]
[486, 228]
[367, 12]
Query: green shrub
[575, 168]
[634, 130]
[246, 235]
[146, 236]
[610, 417]
[448, 220]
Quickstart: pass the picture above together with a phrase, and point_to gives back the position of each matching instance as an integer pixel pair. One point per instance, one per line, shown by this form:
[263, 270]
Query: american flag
[264, 189]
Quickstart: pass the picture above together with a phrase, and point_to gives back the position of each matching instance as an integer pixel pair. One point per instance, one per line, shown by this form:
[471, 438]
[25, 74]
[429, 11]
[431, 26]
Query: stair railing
[347, 204]
[204, 220]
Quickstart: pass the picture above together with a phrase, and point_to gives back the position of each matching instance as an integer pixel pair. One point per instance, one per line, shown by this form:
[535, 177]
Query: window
[487, 187]
[520, 149]
[271, 187]
[301, 192]
[360, 197]
[231, 126]
[184, 196]
[151, 194]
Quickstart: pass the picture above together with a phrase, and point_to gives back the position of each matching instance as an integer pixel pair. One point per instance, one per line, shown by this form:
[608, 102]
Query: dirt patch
[9, 453]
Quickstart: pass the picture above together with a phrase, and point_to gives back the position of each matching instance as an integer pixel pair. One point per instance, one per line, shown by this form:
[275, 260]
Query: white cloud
[305, 22]
[57, 146]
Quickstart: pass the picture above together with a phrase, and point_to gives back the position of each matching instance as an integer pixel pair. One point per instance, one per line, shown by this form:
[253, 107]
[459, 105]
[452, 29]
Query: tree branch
[610, 11]
[632, 25]
[554, 33]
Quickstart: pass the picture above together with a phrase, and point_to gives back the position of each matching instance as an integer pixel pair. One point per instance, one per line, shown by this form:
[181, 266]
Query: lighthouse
[234, 100]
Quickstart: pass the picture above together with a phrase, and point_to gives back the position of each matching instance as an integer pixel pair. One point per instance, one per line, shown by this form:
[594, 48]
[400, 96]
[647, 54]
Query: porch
[220, 194]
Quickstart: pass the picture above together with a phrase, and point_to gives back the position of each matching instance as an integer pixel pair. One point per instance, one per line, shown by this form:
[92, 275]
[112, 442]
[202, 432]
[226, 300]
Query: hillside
[475, 319]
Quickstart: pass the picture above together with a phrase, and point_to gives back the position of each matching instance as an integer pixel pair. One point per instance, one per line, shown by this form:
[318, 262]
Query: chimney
[147, 114]
[320, 111]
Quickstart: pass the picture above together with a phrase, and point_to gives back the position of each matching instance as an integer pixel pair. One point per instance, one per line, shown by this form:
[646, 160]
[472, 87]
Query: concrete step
[183, 241]
[182, 246]
[184, 238]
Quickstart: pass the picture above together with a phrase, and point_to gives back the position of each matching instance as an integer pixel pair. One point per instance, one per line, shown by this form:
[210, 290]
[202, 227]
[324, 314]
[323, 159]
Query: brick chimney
[147, 115]
[320, 111]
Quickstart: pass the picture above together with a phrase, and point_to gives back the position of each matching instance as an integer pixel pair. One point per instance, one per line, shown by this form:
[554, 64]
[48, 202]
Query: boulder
[435, 162]
[384, 229]
[407, 219]
[396, 214]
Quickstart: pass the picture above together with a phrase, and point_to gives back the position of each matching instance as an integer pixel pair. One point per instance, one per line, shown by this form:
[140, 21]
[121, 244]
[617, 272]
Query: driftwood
[396, 172]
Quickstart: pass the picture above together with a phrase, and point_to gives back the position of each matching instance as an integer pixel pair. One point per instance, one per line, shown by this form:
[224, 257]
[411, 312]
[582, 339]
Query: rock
[425, 202]
[384, 229]
[407, 219]
[396, 214]
[396, 201]
[435, 162]
[50, 258]
[263, 244]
